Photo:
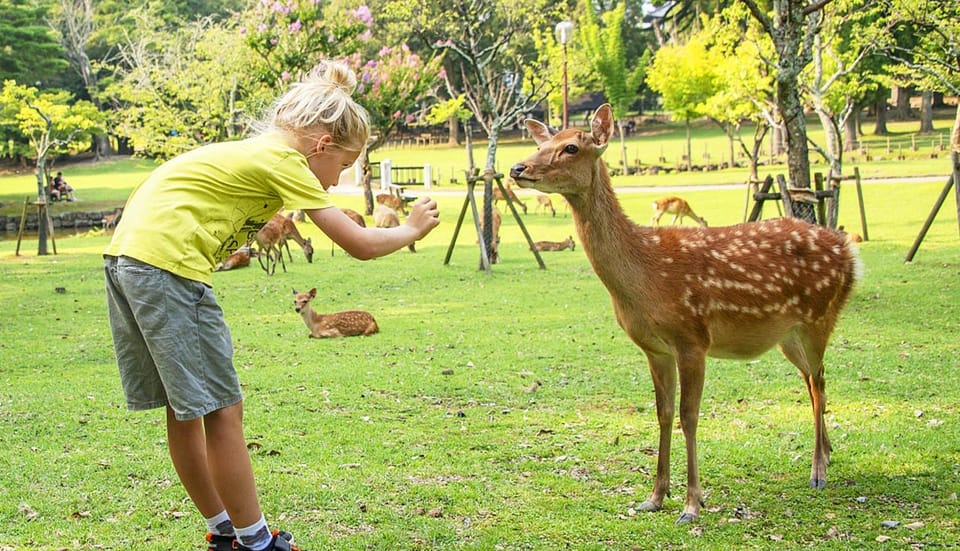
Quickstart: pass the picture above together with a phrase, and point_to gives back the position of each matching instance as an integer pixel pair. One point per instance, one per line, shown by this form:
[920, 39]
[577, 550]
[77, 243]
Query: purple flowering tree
[391, 83]
[289, 37]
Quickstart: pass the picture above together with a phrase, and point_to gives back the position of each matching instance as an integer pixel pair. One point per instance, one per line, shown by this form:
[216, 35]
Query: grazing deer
[290, 231]
[239, 259]
[676, 206]
[350, 323]
[556, 245]
[392, 201]
[109, 221]
[544, 202]
[682, 294]
[498, 196]
[272, 238]
[386, 217]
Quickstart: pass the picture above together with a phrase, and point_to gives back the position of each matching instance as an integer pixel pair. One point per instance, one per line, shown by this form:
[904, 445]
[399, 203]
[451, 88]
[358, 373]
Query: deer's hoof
[687, 518]
[648, 507]
[818, 483]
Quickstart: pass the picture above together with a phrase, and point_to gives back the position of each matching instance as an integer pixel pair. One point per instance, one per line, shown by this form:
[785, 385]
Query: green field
[493, 412]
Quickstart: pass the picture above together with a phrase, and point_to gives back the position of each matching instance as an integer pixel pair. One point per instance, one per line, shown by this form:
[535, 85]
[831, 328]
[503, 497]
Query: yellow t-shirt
[199, 207]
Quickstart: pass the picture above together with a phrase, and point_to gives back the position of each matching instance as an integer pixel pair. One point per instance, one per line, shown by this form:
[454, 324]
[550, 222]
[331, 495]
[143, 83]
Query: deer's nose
[517, 169]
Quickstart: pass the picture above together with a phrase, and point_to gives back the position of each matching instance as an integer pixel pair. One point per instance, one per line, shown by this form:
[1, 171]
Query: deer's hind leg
[804, 347]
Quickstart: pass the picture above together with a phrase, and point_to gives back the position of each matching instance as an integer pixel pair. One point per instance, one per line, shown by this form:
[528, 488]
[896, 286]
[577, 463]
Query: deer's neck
[310, 317]
[615, 245]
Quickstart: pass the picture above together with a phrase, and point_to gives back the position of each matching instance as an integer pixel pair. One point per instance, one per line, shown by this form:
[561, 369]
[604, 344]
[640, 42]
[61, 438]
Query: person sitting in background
[60, 189]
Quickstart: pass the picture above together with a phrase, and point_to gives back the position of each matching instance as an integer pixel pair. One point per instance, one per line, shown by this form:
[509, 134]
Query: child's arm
[367, 243]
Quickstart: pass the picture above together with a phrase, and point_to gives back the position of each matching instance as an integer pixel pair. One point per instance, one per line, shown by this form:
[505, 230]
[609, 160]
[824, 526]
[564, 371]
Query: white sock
[256, 536]
[220, 525]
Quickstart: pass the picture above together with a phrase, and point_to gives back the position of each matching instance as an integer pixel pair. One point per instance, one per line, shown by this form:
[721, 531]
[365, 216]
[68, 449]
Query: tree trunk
[902, 112]
[926, 113]
[689, 148]
[880, 127]
[453, 130]
[798, 153]
[851, 138]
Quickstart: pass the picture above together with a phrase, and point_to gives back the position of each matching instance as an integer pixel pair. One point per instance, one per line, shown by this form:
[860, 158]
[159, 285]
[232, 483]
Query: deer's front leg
[691, 366]
[663, 371]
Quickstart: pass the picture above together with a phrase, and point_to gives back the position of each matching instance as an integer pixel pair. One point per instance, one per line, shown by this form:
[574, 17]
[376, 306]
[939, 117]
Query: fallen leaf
[914, 525]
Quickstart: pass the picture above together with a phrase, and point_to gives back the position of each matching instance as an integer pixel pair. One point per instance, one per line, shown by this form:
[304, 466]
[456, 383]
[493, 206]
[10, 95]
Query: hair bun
[335, 73]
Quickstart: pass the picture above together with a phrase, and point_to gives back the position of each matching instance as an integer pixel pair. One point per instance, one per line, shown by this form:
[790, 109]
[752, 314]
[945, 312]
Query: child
[172, 344]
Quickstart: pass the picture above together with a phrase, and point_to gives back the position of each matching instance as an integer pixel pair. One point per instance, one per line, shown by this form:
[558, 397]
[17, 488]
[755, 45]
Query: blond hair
[322, 101]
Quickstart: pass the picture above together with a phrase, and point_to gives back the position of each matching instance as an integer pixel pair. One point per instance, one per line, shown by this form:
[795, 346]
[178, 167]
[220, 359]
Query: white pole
[427, 176]
[386, 175]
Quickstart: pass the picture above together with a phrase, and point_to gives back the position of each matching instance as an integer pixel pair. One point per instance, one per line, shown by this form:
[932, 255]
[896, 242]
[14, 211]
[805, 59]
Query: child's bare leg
[223, 478]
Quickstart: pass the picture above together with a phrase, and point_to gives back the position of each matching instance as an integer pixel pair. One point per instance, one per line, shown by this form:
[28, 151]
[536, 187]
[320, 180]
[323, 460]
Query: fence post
[386, 174]
[427, 176]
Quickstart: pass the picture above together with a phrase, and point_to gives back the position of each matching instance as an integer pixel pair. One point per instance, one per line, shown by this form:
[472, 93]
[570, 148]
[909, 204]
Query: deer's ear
[313, 292]
[538, 130]
[602, 126]
[294, 290]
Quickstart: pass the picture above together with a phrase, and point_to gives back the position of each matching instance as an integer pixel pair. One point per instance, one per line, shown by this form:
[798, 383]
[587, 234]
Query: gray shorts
[172, 344]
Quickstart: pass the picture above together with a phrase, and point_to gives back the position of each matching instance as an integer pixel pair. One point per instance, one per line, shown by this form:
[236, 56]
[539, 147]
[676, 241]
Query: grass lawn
[492, 412]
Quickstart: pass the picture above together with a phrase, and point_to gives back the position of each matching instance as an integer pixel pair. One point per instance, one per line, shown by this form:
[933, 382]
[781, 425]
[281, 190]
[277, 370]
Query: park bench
[401, 178]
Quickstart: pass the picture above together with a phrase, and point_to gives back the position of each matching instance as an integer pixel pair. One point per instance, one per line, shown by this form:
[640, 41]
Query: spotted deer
[556, 245]
[350, 323]
[498, 196]
[683, 293]
[676, 206]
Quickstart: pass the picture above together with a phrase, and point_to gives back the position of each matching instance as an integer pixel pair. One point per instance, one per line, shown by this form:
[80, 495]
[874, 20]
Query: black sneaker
[282, 541]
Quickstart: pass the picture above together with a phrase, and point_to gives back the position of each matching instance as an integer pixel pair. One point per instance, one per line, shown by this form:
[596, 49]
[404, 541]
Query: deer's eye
[571, 149]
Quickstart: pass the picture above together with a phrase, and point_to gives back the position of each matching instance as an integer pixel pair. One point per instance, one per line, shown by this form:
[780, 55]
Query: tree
[490, 58]
[29, 51]
[177, 90]
[606, 56]
[792, 26]
[52, 123]
[390, 85]
[685, 77]
[745, 85]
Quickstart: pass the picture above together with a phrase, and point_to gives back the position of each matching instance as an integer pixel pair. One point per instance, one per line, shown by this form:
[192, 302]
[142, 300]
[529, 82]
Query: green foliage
[685, 77]
[51, 123]
[607, 57]
[29, 51]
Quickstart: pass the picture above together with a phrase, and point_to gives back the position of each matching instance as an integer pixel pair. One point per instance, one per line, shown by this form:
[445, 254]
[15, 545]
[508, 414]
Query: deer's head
[564, 163]
[302, 299]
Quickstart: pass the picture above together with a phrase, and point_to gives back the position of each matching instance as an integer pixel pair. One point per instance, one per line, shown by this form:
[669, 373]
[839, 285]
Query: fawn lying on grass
[350, 323]
[682, 294]
[556, 245]
[239, 259]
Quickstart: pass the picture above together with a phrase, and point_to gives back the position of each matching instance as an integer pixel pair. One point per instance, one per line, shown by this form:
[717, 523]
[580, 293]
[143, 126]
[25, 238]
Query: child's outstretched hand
[424, 216]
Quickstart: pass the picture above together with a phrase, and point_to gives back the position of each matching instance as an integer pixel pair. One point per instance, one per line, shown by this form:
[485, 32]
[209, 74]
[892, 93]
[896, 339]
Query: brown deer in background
[392, 201]
[350, 323]
[109, 221]
[682, 294]
[239, 259]
[498, 196]
[272, 239]
[544, 202]
[352, 215]
[386, 217]
[676, 206]
[556, 245]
